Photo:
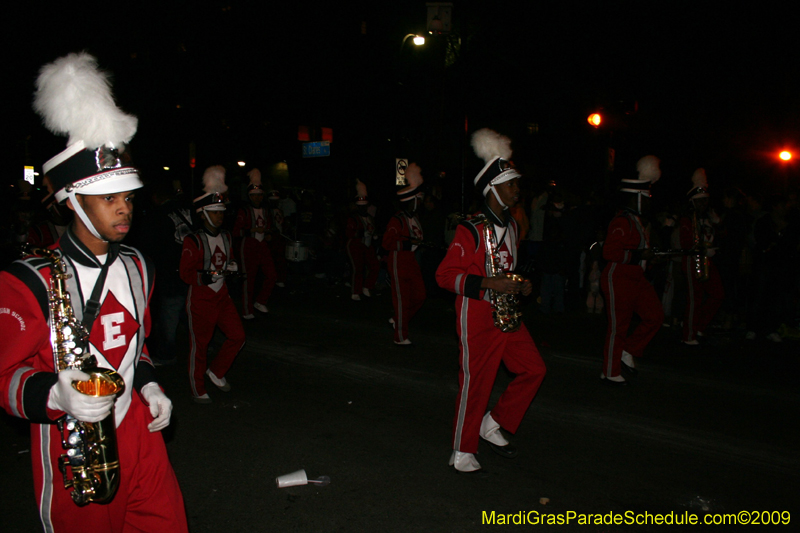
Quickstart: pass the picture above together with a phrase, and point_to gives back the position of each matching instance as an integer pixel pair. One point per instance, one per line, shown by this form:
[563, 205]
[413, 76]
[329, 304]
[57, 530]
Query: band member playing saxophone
[89, 276]
[477, 268]
[704, 285]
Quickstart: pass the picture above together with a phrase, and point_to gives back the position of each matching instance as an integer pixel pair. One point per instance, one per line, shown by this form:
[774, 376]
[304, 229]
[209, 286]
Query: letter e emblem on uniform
[113, 331]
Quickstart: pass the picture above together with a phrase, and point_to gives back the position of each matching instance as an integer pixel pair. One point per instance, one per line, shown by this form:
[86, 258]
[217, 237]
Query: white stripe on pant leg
[193, 342]
[46, 499]
[613, 309]
[462, 404]
[399, 300]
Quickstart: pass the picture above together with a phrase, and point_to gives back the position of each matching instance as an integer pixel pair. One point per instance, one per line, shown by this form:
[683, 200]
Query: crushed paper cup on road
[291, 480]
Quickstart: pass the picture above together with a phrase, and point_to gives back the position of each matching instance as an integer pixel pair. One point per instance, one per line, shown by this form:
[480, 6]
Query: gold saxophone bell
[102, 382]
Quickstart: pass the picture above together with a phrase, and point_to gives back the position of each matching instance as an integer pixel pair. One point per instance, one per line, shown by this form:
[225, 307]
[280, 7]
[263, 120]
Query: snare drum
[296, 251]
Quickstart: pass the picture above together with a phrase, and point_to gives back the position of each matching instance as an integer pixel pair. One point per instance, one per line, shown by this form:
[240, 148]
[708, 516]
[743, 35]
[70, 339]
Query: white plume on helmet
[648, 168]
[414, 175]
[488, 145]
[74, 98]
[699, 185]
[255, 177]
[214, 180]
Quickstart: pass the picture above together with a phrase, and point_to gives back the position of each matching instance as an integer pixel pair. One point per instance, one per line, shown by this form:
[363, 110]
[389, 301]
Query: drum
[296, 251]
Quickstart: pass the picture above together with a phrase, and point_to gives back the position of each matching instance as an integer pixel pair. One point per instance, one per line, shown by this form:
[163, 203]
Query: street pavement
[320, 386]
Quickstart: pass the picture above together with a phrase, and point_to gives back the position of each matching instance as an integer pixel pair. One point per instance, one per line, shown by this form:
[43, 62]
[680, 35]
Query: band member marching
[625, 288]
[361, 251]
[703, 282]
[205, 261]
[402, 237]
[477, 268]
[252, 233]
[275, 237]
[83, 306]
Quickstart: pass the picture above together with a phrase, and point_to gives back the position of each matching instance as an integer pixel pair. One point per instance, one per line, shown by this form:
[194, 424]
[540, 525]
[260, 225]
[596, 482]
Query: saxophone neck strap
[92, 307]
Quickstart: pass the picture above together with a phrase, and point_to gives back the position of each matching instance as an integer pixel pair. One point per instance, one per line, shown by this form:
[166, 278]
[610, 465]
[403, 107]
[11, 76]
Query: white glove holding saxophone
[233, 267]
[64, 397]
[160, 406]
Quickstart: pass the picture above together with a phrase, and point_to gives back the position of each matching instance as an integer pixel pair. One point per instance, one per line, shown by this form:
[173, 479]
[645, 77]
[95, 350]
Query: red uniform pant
[703, 300]
[408, 291]
[483, 348]
[206, 312]
[362, 258]
[256, 255]
[627, 291]
[148, 498]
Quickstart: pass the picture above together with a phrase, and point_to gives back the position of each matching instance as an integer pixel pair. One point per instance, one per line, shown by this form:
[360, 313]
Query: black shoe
[508, 451]
[629, 369]
[476, 474]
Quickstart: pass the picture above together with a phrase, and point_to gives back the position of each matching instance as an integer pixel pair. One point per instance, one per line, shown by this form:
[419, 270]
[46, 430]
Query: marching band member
[465, 271]
[206, 258]
[402, 237]
[360, 233]
[252, 231]
[703, 282]
[109, 286]
[625, 288]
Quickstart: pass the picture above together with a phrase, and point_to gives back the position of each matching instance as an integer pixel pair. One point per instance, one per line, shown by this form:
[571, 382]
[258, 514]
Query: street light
[785, 155]
[419, 40]
[595, 119]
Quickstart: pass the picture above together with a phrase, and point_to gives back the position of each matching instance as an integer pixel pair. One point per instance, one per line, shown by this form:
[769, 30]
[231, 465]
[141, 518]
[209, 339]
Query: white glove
[233, 267]
[64, 397]
[216, 277]
[160, 406]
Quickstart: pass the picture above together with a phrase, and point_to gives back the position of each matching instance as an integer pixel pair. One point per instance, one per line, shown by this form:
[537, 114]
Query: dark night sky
[713, 87]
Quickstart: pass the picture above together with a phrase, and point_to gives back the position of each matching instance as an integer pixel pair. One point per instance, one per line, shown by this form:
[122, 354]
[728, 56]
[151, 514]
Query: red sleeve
[26, 357]
[461, 270]
[686, 233]
[191, 262]
[351, 231]
[614, 248]
[393, 236]
[241, 226]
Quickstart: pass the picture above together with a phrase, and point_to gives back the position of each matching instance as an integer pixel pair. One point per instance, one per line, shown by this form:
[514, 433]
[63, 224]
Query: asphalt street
[320, 386]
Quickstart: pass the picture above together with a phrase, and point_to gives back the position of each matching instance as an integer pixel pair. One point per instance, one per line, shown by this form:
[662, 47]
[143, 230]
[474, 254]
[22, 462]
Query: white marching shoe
[261, 307]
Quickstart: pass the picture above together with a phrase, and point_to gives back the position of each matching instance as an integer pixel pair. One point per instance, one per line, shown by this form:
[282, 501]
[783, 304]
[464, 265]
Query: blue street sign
[317, 149]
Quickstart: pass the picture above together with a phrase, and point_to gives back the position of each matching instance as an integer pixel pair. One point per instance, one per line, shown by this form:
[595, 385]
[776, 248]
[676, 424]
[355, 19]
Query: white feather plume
[699, 178]
[255, 177]
[74, 98]
[214, 180]
[648, 168]
[361, 189]
[489, 144]
[413, 175]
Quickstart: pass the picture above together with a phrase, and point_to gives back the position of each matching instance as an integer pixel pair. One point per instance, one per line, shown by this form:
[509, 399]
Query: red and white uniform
[482, 345]
[408, 289]
[254, 253]
[627, 291]
[360, 233]
[148, 498]
[703, 298]
[209, 305]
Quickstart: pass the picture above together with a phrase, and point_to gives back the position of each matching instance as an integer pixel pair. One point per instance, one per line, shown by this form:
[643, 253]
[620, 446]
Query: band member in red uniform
[276, 239]
[402, 237]
[465, 270]
[624, 285]
[252, 231]
[109, 286]
[205, 260]
[361, 251]
[703, 282]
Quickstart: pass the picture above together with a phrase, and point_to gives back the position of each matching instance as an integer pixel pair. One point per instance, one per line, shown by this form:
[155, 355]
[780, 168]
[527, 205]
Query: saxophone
[505, 307]
[700, 259]
[91, 447]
